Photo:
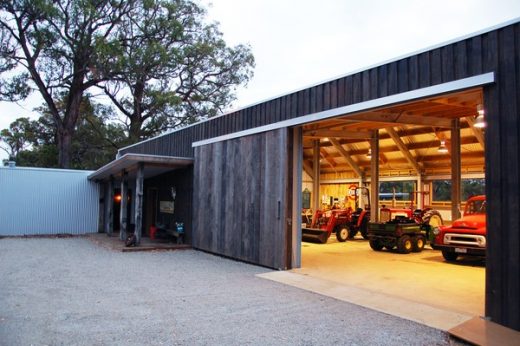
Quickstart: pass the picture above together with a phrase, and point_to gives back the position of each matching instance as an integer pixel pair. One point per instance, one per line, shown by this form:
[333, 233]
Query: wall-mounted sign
[306, 199]
[166, 207]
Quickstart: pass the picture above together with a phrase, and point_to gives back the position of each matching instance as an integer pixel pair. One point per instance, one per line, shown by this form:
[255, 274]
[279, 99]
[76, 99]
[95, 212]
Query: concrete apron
[420, 287]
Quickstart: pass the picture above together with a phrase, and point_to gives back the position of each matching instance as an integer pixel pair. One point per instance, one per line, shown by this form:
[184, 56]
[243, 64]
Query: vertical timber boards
[240, 190]
[502, 106]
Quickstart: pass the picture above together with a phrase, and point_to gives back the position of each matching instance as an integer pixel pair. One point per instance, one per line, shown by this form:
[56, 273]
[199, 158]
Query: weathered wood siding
[241, 198]
[502, 103]
[496, 51]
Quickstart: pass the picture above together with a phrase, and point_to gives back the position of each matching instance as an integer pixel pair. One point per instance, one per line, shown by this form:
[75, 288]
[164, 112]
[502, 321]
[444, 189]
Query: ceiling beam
[307, 167]
[327, 158]
[476, 131]
[346, 156]
[338, 134]
[402, 119]
[404, 150]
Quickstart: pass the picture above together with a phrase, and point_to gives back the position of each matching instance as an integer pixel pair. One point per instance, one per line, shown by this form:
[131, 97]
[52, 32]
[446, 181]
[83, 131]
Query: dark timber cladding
[241, 198]
[495, 51]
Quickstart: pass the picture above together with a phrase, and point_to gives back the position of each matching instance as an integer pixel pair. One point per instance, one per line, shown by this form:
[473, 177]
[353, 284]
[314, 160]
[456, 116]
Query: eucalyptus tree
[97, 139]
[57, 48]
[18, 137]
[175, 67]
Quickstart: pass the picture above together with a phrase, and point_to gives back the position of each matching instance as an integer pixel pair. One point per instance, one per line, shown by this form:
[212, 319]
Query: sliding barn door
[242, 198]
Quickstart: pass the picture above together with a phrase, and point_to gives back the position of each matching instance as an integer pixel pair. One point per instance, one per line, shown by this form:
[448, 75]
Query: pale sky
[297, 43]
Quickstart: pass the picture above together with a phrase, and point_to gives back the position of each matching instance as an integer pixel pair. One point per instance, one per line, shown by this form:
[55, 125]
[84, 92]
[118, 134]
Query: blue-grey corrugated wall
[47, 201]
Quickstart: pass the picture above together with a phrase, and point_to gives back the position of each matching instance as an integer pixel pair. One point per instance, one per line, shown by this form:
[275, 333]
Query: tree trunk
[68, 127]
[64, 147]
[134, 133]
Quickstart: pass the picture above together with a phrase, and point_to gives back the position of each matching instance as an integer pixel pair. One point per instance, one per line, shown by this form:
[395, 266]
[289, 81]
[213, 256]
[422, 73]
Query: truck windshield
[475, 207]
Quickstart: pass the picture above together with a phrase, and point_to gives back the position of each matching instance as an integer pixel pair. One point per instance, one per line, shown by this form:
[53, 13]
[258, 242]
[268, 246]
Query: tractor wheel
[342, 233]
[432, 218]
[352, 233]
[364, 229]
[376, 245]
[449, 256]
[404, 244]
[418, 243]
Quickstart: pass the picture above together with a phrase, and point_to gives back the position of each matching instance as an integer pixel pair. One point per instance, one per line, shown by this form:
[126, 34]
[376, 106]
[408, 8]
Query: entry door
[151, 209]
[242, 198]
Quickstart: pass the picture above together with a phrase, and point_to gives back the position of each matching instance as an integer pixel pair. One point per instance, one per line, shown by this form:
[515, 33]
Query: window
[403, 190]
[470, 187]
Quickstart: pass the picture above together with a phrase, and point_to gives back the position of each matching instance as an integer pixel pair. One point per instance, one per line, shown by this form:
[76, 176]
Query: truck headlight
[436, 230]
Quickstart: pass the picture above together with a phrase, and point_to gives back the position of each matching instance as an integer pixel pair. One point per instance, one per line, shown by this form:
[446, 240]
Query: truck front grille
[471, 240]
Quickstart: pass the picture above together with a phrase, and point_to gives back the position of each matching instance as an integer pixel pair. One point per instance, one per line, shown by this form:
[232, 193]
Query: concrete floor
[417, 286]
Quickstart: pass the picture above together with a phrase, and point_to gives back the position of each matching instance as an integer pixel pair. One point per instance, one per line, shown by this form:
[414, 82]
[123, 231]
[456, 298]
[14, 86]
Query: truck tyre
[342, 233]
[449, 256]
[418, 243]
[376, 245]
[404, 244]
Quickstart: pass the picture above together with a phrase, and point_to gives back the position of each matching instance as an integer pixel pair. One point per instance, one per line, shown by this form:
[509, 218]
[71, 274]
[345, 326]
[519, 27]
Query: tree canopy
[174, 68]
[33, 142]
[158, 61]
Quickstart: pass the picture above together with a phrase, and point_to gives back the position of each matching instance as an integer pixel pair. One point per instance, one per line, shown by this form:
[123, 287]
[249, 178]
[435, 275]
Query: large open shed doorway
[413, 155]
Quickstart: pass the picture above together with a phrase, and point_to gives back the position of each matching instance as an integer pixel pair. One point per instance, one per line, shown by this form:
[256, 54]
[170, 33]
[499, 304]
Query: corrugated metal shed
[47, 201]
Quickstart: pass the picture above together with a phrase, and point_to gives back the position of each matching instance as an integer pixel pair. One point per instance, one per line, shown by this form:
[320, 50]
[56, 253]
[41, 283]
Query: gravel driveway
[73, 292]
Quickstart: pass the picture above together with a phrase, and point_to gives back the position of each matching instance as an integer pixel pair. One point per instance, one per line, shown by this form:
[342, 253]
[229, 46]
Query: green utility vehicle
[402, 233]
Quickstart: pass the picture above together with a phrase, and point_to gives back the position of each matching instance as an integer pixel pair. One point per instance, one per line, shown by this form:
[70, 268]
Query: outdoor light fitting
[480, 122]
[442, 148]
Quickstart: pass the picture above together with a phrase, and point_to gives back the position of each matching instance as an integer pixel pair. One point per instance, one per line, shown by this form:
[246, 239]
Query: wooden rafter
[327, 158]
[337, 134]
[402, 118]
[347, 157]
[404, 150]
[307, 167]
[476, 131]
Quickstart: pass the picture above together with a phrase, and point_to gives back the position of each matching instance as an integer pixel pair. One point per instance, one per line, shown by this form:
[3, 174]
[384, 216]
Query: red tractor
[345, 223]
[325, 222]
[361, 215]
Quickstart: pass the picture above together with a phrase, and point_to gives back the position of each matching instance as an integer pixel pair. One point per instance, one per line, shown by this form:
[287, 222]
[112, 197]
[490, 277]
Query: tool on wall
[174, 194]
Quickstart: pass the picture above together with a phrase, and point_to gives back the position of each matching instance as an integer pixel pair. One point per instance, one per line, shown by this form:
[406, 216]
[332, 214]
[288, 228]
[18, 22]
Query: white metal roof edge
[438, 89]
[417, 52]
[62, 170]
[133, 158]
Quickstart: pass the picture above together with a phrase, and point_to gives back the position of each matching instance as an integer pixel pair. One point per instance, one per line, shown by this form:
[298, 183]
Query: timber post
[374, 177]
[109, 205]
[123, 224]
[456, 176]
[139, 202]
[316, 172]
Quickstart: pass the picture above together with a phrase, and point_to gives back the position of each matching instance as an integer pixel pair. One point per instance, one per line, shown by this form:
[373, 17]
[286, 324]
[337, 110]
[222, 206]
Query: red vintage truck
[467, 235]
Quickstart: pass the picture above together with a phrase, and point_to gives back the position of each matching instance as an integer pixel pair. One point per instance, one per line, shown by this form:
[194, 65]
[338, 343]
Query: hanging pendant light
[442, 148]
[369, 153]
[480, 122]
